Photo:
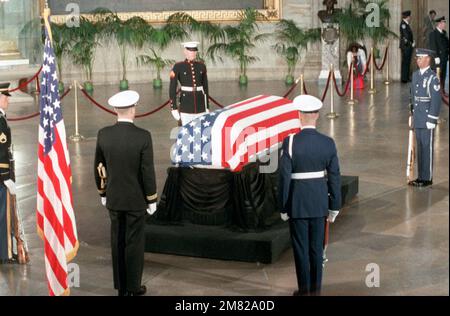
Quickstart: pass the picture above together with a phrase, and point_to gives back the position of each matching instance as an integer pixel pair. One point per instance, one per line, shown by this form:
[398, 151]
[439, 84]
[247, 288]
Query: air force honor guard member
[426, 105]
[310, 191]
[407, 45]
[194, 86]
[125, 178]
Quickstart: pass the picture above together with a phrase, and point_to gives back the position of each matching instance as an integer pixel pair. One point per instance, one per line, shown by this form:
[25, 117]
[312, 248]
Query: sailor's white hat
[307, 103]
[124, 99]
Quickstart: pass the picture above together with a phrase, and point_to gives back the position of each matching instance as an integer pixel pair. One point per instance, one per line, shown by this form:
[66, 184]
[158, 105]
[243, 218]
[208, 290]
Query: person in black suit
[407, 45]
[310, 193]
[125, 179]
[438, 42]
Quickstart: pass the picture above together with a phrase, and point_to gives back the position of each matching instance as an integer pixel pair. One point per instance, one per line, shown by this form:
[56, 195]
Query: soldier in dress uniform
[193, 79]
[6, 184]
[425, 105]
[438, 42]
[310, 193]
[125, 178]
[407, 45]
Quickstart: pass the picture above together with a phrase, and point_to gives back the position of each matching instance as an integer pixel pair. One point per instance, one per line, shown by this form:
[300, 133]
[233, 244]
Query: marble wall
[269, 67]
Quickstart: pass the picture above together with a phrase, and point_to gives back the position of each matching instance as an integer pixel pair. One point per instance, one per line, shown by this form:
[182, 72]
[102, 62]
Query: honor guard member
[193, 79]
[407, 45]
[426, 105]
[439, 44]
[5, 181]
[310, 193]
[125, 179]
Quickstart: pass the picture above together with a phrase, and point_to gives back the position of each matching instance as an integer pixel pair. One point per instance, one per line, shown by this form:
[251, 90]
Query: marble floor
[403, 231]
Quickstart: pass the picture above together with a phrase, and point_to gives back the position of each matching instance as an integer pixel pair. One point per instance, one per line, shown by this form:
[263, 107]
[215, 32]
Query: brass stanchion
[352, 100]
[77, 137]
[332, 115]
[372, 89]
[438, 74]
[302, 84]
[387, 82]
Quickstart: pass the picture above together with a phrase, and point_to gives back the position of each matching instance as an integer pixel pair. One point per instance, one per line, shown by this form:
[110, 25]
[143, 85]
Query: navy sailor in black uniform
[407, 45]
[426, 106]
[193, 79]
[310, 193]
[125, 179]
[438, 42]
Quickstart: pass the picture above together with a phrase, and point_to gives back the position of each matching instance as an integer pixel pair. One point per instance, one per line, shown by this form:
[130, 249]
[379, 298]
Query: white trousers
[189, 117]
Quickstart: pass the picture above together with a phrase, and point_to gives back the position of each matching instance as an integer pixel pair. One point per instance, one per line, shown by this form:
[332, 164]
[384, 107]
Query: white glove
[176, 115]
[414, 44]
[11, 185]
[103, 200]
[332, 216]
[151, 209]
[284, 217]
[437, 60]
[207, 110]
[431, 125]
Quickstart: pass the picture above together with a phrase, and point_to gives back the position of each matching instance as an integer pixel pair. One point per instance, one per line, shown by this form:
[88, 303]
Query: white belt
[308, 175]
[192, 89]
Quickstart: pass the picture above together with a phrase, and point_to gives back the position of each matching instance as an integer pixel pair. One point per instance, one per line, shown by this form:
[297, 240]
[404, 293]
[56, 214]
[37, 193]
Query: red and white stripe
[55, 214]
[250, 128]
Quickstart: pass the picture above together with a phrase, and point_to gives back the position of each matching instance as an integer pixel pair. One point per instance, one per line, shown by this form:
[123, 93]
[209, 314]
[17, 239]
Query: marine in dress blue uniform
[310, 191]
[406, 45]
[192, 75]
[426, 106]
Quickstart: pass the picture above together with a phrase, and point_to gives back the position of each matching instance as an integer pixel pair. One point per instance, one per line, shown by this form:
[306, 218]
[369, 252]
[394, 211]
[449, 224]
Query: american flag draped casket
[231, 137]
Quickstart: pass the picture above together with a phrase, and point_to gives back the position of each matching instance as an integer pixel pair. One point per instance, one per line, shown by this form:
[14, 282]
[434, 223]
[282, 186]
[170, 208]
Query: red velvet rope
[444, 97]
[368, 65]
[290, 90]
[304, 88]
[215, 102]
[114, 113]
[347, 85]
[26, 83]
[65, 93]
[384, 60]
[327, 86]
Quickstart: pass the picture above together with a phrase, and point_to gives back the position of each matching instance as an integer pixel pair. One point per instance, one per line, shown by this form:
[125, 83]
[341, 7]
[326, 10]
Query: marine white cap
[124, 99]
[191, 45]
[307, 103]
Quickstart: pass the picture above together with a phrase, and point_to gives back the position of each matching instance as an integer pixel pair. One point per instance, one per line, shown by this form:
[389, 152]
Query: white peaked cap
[307, 103]
[124, 99]
[193, 44]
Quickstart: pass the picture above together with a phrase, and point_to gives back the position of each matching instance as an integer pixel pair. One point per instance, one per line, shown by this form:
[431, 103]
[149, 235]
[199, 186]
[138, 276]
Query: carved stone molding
[272, 10]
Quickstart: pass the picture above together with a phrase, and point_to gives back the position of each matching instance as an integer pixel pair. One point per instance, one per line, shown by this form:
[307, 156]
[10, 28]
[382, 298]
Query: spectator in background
[428, 25]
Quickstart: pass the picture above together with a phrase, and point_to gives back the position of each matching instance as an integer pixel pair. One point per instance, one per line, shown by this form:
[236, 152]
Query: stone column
[330, 52]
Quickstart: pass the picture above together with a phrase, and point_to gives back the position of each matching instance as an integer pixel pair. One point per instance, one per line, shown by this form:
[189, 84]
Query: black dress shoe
[298, 293]
[415, 183]
[139, 292]
[426, 183]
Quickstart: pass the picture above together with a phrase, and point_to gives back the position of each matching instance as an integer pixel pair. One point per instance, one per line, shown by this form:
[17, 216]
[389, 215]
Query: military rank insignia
[437, 87]
[3, 138]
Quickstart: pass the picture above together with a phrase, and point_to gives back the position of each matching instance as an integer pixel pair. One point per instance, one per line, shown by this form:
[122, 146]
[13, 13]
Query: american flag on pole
[55, 216]
[237, 134]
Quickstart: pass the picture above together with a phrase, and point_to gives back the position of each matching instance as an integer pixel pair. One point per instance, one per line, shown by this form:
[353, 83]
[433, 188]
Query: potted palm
[155, 60]
[204, 29]
[132, 33]
[239, 42]
[61, 45]
[83, 42]
[291, 40]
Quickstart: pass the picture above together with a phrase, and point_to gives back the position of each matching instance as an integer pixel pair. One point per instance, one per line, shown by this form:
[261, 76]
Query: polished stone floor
[403, 230]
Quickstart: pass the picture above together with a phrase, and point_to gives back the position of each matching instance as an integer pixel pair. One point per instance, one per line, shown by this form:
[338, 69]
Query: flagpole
[47, 23]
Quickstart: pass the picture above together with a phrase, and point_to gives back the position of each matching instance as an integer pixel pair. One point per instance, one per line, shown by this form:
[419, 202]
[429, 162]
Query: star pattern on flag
[51, 112]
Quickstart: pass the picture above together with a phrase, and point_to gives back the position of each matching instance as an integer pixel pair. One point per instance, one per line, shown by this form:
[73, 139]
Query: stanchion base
[352, 102]
[372, 91]
[387, 82]
[332, 115]
[76, 138]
